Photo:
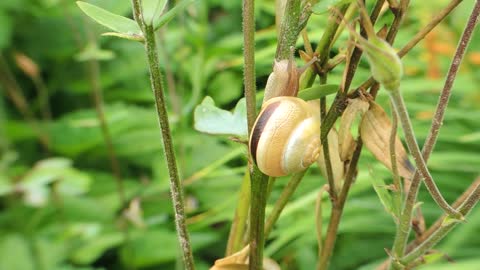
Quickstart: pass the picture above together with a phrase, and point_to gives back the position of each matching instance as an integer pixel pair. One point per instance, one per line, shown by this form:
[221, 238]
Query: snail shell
[285, 137]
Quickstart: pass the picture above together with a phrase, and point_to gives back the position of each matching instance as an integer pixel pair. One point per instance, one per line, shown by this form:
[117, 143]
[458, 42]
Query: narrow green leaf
[165, 18]
[152, 10]
[133, 37]
[110, 20]
[384, 195]
[318, 91]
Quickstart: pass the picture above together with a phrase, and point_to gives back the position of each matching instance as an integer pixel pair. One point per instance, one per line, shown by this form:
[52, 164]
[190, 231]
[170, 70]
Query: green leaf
[93, 52]
[165, 18]
[110, 20]
[5, 29]
[152, 10]
[325, 5]
[124, 36]
[93, 249]
[318, 91]
[384, 195]
[212, 120]
[15, 253]
[432, 257]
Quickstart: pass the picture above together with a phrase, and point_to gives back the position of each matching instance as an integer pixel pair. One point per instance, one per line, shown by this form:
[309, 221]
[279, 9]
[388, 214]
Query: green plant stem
[94, 75]
[237, 230]
[337, 210]
[282, 201]
[325, 43]
[406, 217]
[438, 223]
[289, 30]
[175, 185]
[397, 194]
[249, 59]
[410, 138]
[325, 147]
[13, 90]
[93, 70]
[339, 104]
[466, 207]
[259, 186]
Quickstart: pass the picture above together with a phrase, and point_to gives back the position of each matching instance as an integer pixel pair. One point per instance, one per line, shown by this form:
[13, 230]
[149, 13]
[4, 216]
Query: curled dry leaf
[375, 130]
[356, 107]
[338, 168]
[239, 261]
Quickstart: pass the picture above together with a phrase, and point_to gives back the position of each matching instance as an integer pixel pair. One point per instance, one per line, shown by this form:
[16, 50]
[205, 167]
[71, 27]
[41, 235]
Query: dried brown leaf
[375, 130]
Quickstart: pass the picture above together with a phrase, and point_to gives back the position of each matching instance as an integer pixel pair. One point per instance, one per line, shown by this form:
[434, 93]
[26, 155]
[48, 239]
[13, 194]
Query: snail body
[286, 136]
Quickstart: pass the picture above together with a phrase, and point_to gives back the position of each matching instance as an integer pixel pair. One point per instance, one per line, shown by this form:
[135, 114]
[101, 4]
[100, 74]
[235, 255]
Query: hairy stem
[289, 30]
[397, 193]
[175, 185]
[259, 186]
[249, 59]
[411, 140]
[438, 235]
[402, 234]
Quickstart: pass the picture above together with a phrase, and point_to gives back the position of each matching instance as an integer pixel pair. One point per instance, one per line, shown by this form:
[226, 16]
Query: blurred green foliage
[60, 209]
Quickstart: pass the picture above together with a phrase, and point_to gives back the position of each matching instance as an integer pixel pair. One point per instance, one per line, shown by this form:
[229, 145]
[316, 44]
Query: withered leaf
[375, 130]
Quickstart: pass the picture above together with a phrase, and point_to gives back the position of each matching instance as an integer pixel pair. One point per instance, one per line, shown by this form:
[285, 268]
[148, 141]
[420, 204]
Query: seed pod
[375, 130]
[385, 65]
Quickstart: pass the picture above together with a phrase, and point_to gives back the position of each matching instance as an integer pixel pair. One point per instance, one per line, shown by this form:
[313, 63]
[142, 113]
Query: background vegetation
[60, 200]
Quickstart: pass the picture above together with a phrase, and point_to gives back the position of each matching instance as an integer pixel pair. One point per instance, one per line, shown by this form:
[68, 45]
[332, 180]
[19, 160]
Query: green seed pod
[385, 65]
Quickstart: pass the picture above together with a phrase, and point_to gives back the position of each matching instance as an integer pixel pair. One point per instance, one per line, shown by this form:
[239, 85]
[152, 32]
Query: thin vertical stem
[175, 184]
[14, 91]
[337, 210]
[259, 186]
[94, 76]
[282, 201]
[249, 59]
[289, 29]
[397, 193]
[411, 140]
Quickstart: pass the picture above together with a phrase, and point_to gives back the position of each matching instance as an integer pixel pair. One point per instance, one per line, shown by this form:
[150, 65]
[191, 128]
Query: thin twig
[337, 210]
[93, 71]
[287, 192]
[397, 193]
[412, 144]
[15, 93]
[438, 235]
[157, 87]
[326, 149]
[402, 234]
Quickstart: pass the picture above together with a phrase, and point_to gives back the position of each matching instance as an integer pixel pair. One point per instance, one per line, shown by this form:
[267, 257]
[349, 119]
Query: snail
[285, 137]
